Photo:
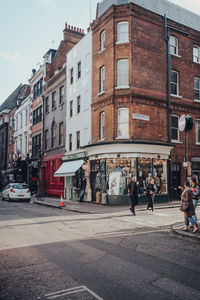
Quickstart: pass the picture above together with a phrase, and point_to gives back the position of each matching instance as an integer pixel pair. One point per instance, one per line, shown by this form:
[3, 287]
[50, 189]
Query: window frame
[102, 126]
[174, 83]
[122, 122]
[71, 109]
[102, 79]
[78, 108]
[71, 75]
[47, 105]
[120, 74]
[78, 140]
[53, 134]
[46, 138]
[178, 131]
[197, 132]
[79, 70]
[102, 40]
[119, 34]
[61, 94]
[61, 133]
[197, 78]
[70, 142]
[53, 100]
[173, 46]
[198, 57]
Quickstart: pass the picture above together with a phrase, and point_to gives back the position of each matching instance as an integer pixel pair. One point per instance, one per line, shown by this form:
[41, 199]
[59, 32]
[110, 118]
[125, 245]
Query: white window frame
[177, 83]
[120, 74]
[173, 41]
[102, 126]
[197, 128]
[197, 78]
[175, 141]
[120, 38]
[102, 79]
[196, 59]
[126, 136]
[103, 40]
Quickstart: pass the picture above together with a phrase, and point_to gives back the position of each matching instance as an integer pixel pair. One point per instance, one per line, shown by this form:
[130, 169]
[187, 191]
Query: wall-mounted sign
[140, 117]
[182, 123]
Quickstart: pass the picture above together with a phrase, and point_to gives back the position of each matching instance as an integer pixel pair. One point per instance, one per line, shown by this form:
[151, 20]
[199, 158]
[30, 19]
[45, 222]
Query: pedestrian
[195, 194]
[187, 207]
[151, 191]
[83, 187]
[133, 193]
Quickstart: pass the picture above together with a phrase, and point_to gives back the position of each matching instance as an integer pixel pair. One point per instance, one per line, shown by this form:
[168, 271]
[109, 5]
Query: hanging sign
[182, 123]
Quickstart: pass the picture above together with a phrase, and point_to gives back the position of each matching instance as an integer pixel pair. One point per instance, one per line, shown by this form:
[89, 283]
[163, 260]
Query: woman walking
[188, 208]
[150, 194]
[195, 193]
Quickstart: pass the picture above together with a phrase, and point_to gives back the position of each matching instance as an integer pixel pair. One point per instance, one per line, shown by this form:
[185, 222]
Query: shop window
[122, 73]
[173, 41]
[174, 128]
[197, 89]
[174, 83]
[102, 125]
[197, 129]
[123, 122]
[122, 32]
[103, 39]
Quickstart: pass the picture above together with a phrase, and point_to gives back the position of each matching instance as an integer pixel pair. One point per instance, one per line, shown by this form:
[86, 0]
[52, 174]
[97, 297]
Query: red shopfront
[54, 186]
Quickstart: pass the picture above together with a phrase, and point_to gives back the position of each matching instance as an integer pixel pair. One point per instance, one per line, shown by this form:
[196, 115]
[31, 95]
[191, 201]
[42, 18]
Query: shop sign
[140, 117]
[182, 123]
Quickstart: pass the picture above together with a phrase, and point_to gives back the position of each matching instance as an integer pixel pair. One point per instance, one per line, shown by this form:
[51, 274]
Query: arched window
[123, 122]
[53, 134]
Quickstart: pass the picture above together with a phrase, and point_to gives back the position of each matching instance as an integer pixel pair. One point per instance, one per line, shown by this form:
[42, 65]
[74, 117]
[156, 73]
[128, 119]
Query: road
[47, 253]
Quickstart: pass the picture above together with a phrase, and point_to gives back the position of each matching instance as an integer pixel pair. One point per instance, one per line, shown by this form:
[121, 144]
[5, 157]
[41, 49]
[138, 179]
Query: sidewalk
[177, 228]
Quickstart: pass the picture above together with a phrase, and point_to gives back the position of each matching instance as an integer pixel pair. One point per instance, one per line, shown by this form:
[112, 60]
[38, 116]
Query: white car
[16, 191]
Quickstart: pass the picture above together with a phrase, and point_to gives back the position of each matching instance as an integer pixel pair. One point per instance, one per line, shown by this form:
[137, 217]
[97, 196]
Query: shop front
[196, 168]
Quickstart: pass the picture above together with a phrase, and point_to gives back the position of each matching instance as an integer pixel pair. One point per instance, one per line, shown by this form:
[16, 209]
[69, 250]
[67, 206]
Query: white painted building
[22, 128]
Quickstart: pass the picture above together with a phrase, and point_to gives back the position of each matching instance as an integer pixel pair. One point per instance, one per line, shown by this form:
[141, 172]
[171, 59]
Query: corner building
[143, 80]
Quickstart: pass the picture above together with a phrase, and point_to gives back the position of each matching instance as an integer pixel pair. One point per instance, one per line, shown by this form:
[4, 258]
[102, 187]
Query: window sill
[101, 93]
[176, 96]
[198, 101]
[176, 142]
[197, 144]
[122, 87]
[175, 55]
[196, 62]
[124, 42]
[102, 140]
[101, 51]
[122, 138]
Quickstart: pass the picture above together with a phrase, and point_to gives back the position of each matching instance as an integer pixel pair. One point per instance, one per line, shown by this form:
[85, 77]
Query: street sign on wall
[140, 117]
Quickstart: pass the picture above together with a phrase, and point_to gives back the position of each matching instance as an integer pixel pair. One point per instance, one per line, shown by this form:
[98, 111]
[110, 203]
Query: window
[16, 123]
[173, 42]
[36, 145]
[61, 133]
[197, 127]
[196, 54]
[79, 69]
[37, 115]
[103, 39]
[37, 89]
[197, 88]
[61, 98]
[123, 122]
[26, 116]
[71, 108]
[78, 140]
[71, 75]
[70, 142]
[46, 137]
[122, 32]
[26, 145]
[102, 79]
[174, 83]
[102, 125]
[53, 100]
[20, 143]
[174, 128]
[46, 105]
[21, 118]
[122, 73]
[53, 134]
[78, 104]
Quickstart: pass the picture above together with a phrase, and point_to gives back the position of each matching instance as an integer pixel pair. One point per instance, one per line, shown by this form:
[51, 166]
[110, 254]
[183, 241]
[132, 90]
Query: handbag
[184, 206]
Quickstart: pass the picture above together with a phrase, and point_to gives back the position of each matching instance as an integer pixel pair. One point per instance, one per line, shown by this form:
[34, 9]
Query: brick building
[146, 75]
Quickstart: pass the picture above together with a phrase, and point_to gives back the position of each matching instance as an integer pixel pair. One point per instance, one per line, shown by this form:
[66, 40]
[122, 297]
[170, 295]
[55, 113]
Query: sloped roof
[11, 101]
[161, 7]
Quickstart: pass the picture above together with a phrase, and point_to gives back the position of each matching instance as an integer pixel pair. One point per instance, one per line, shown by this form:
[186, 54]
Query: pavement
[93, 208]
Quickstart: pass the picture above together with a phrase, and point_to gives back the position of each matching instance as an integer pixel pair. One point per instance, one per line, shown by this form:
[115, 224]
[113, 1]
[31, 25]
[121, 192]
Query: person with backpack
[195, 194]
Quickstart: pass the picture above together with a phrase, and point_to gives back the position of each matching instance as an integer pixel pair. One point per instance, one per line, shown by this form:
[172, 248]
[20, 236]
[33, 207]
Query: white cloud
[11, 57]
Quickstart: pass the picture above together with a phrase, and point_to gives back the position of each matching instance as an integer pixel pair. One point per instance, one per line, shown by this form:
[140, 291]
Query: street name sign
[140, 117]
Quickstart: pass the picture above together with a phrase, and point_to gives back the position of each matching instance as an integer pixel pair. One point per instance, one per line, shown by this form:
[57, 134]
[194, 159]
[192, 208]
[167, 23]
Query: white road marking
[70, 291]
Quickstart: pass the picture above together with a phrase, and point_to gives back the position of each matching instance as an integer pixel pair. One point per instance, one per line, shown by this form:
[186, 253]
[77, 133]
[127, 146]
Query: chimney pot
[74, 28]
[66, 25]
[69, 27]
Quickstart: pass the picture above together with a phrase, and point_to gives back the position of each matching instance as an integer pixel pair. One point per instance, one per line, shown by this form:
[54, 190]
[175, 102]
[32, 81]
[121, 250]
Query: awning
[68, 168]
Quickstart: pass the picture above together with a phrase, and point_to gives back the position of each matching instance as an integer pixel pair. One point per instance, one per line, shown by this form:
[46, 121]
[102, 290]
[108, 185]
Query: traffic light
[189, 123]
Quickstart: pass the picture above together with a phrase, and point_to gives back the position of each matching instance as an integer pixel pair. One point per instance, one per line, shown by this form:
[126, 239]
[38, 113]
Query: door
[176, 180]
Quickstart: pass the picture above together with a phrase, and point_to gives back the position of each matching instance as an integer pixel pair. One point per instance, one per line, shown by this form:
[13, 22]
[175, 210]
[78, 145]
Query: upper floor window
[46, 104]
[37, 115]
[61, 97]
[26, 116]
[79, 69]
[122, 73]
[78, 104]
[46, 137]
[197, 88]
[53, 134]
[174, 128]
[78, 140]
[61, 133]
[21, 118]
[102, 79]
[197, 129]
[103, 40]
[102, 126]
[122, 32]
[70, 142]
[37, 89]
[53, 100]
[16, 126]
[71, 75]
[71, 108]
[196, 54]
[36, 145]
[123, 122]
[174, 83]
[173, 41]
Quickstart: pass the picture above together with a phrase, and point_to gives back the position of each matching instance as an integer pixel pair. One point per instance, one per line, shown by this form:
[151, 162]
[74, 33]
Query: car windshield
[19, 186]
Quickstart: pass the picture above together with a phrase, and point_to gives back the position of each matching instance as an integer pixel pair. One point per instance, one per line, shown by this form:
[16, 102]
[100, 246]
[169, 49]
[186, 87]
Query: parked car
[16, 191]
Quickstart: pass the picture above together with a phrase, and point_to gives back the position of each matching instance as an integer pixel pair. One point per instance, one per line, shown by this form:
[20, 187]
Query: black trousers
[134, 202]
[150, 202]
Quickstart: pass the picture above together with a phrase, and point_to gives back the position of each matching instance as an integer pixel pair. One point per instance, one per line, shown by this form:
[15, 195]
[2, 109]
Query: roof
[11, 101]
[161, 7]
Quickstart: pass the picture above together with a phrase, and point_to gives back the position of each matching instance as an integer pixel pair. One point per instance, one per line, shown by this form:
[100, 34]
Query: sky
[29, 28]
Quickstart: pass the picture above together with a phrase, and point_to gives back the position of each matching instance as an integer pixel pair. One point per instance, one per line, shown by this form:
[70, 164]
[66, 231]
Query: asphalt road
[123, 262]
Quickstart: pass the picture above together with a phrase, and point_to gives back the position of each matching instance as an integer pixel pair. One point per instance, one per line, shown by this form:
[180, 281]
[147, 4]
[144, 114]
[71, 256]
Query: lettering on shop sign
[140, 117]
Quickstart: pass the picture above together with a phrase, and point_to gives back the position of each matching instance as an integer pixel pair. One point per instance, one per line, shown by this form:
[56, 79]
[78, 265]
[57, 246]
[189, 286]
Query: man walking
[133, 192]
[83, 187]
